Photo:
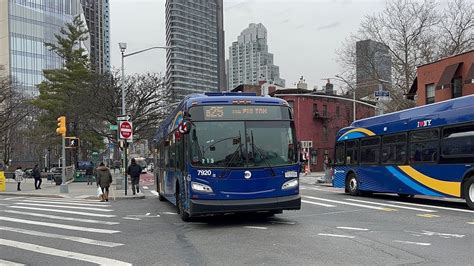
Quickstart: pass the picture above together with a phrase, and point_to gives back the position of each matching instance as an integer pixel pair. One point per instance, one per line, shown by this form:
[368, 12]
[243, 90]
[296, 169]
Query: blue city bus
[228, 153]
[427, 150]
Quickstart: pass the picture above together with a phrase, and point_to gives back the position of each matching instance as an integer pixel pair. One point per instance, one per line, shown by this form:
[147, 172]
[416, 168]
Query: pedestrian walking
[37, 176]
[19, 176]
[104, 179]
[90, 173]
[134, 170]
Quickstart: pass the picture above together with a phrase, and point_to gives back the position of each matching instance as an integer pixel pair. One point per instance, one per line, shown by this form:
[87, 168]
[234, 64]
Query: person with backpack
[37, 176]
[104, 180]
[134, 170]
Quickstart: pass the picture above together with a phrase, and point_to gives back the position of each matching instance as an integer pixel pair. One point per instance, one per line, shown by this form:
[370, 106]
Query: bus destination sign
[231, 112]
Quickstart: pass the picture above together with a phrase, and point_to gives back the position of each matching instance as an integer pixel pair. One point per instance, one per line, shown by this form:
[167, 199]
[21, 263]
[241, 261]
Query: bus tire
[469, 192]
[160, 196]
[179, 204]
[352, 185]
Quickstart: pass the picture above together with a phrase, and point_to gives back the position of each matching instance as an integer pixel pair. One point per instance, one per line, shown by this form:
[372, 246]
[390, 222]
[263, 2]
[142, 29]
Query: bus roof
[443, 113]
[211, 98]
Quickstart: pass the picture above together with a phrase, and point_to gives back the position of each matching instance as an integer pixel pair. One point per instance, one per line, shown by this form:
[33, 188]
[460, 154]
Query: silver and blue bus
[427, 150]
[228, 153]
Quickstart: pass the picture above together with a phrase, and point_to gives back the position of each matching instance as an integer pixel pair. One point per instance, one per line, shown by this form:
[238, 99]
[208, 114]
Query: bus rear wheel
[469, 192]
[352, 185]
[179, 204]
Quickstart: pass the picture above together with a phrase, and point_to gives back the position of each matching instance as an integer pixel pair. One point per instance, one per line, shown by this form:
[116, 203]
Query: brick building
[444, 79]
[318, 117]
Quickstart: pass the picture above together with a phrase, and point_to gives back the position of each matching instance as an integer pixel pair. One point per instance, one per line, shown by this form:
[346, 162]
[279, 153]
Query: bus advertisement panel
[227, 153]
[426, 150]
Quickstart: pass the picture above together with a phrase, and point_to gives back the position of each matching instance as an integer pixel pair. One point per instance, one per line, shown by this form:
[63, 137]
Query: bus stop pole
[125, 148]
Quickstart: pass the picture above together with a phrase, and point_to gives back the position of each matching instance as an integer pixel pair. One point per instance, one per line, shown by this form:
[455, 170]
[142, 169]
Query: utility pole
[61, 130]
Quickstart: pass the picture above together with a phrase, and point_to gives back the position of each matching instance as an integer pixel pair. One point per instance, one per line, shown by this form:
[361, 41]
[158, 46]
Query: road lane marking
[70, 238]
[282, 222]
[73, 200]
[426, 215]
[391, 205]
[64, 207]
[64, 211]
[69, 203]
[61, 226]
[62, 253]
[145, 187]
[132, 218]
[333, 235]
[256, 227]
[430, 233]
[62, 217]
[147, 214]
[352, 228]
[9, 263]
[351, 204]
[317, 203]
[434, 207]
[13, 198]
[471, 222]
[170, 213]
[154, 192]
[412, 243]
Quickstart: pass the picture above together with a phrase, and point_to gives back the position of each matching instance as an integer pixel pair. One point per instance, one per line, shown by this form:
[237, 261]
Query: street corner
[31, 194]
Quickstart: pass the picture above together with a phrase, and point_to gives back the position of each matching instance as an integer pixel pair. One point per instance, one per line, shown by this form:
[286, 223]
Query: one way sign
[72, 142]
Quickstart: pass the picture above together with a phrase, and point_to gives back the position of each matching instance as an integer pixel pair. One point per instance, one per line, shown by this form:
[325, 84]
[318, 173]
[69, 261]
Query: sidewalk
[76, 190]
[313, 178]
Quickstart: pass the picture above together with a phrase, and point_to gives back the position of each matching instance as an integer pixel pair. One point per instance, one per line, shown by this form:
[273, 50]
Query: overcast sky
[302, 35]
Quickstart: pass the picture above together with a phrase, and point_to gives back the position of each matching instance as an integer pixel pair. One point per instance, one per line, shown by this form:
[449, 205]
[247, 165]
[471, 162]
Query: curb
[119, 198]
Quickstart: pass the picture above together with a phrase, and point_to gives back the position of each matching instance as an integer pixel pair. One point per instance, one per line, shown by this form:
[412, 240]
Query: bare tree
[456, 29]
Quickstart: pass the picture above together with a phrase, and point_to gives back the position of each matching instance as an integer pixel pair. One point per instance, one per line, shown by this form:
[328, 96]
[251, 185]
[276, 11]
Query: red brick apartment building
[444, 79]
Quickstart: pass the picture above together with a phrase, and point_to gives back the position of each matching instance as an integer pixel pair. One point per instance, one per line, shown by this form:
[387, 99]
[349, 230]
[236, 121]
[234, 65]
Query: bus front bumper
[202, 207]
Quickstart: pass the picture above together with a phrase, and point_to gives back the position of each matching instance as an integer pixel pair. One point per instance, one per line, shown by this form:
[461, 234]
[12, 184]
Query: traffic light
[61, 130]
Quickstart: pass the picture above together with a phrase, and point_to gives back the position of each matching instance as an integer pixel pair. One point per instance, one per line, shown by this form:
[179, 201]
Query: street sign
[381, 93]
[124, 117]
[125, 130]
[113, 127]
[72, 142]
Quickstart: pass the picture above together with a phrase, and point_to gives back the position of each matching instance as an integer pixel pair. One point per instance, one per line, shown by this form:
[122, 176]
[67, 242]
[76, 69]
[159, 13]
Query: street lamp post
[123, 47]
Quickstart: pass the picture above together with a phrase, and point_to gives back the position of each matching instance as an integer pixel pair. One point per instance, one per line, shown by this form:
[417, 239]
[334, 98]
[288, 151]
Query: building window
[325, 133]
[314, 157]
[315, 108]
[430, 93]
[325, 110]
[457, 87]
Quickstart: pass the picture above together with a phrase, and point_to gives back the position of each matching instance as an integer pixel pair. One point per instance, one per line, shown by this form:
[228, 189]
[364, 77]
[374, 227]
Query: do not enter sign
[126, 130]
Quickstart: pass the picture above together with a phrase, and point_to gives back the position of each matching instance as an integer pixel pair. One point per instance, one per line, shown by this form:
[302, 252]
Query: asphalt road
[332, 228]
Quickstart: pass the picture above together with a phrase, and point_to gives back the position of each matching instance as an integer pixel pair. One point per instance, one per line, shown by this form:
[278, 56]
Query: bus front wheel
[469, 192]
[352, 185]
[179, 204]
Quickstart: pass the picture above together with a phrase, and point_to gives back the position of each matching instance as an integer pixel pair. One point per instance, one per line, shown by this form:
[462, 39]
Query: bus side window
[424, 146]
[340, 153]
[394, 149]
[352, 151]
[370, 150]
[457, 144]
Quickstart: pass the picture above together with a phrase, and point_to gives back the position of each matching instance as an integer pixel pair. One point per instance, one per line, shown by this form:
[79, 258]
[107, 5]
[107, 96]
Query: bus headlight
[290, 184]
[198, 187]
[291, 174]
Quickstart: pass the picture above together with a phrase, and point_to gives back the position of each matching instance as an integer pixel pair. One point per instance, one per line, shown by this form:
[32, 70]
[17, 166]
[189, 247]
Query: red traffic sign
[183, 127]
[126, 130]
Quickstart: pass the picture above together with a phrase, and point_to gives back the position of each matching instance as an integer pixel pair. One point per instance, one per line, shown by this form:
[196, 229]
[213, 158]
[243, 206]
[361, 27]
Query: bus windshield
[242, 144]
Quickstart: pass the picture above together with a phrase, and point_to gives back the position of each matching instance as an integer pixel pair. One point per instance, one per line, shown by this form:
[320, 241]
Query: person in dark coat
[104, 179]
[37, 176]
[134, 170]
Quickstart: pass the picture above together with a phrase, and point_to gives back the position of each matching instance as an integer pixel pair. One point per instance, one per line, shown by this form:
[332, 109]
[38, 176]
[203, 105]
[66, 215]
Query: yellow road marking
[471, 222]
[389, 210]
[427, 215]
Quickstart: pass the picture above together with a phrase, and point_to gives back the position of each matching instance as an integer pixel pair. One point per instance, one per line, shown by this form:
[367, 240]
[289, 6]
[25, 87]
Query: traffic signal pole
[64, 187]
[125, 148]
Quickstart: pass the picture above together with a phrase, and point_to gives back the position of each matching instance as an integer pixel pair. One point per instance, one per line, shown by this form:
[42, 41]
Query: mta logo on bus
[424, 123]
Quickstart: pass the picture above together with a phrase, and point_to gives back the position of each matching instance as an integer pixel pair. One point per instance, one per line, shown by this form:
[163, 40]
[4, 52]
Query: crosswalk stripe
[61, 226]
[391, 205]
[351, 204]
[68, 200]
[333, 235]
[9, 263]
[434, 207]
[62, 218]
[71, 238]
[317, 203]
[65, 207]
[62, 253]
[64, 211]
[69, 203]
[13, 198]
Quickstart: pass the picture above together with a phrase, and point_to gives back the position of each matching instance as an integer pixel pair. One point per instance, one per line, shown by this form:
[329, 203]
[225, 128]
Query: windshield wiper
[234, 155]
[264, 159]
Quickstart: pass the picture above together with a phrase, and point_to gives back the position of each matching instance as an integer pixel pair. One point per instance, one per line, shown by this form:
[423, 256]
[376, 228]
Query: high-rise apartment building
[26, 25]
[194, 31]
[97, 16]
[373, 67]
[249, 60]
